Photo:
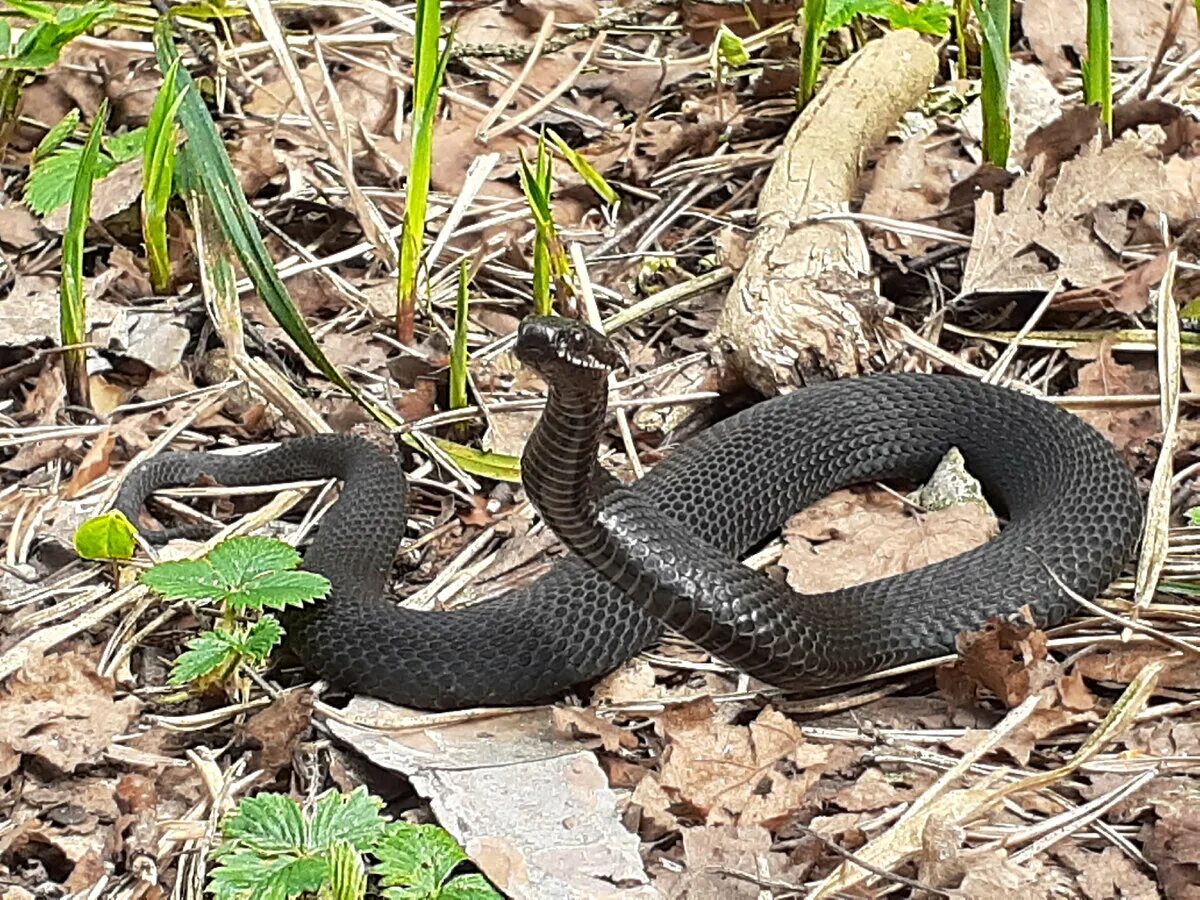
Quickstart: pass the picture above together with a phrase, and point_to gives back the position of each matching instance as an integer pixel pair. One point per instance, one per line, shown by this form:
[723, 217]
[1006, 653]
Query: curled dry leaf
[277, 730]
[1006, 657]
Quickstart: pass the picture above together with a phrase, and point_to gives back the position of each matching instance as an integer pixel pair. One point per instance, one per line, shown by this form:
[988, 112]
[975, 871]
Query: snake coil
[665, 549]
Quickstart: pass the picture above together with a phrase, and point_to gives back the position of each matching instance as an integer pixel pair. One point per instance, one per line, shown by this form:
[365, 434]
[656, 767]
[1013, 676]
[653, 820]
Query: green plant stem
[995, 17]
[962, 18]
[1097, 68]
[813, 46]
[72, 301]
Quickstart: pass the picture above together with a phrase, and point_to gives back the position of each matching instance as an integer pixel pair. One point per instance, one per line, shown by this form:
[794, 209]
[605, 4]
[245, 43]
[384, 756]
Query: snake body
[665, 548]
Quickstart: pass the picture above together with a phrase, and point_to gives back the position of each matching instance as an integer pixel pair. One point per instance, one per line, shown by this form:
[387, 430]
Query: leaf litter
[691, 781]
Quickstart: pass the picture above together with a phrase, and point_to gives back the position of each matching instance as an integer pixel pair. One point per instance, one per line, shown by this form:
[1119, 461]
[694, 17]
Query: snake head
[564, 350]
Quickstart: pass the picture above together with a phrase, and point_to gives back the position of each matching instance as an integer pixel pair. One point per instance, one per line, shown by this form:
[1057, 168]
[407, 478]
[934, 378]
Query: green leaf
[107, 536]
[55, 136]
[207, 653]
[469, 887]
[417, 858]
[278, 590]
[354, 818]
[240, 560]
[50, 181]
[263, 637]
[266, 823]
[731, 49]
[497, 466]
[347, 875]
[1193, 515]
[584, 169]
[928, 17]
[248, 876]
[124, 147]
[41, 45]
[192, 579]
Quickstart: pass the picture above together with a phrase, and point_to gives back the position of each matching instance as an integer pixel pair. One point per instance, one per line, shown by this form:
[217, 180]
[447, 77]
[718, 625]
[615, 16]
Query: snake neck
[559, 461]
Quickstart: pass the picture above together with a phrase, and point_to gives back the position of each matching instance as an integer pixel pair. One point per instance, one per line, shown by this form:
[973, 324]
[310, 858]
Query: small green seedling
[272, 849]
[241, 574]
[158, 176]
[550, 260]
[72, 302]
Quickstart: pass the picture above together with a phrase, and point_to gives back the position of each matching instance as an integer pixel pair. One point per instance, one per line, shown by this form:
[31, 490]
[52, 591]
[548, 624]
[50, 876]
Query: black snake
[672, 539]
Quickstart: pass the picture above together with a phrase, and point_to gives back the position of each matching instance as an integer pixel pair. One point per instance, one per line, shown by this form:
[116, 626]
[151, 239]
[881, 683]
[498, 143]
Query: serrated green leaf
[1193, 515]
[262, 638]
[40, 46]
[207, 653]
[192, 579]
[279, 590]
[353, 817]
[247, 876]
[55, 136]
[927, 17]
[127, 146]
[497, 466]
[240, 560]
[266, 823]
[107, 536]
[469, 887]
[347, 879]
[419, 858]
[50, 182]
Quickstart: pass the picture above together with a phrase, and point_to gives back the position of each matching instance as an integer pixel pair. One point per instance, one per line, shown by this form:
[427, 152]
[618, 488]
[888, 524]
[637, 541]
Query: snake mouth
[559, 348]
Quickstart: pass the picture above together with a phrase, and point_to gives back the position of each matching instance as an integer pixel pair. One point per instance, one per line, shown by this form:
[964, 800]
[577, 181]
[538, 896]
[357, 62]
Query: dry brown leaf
[95, 464]
[708, 851]
[1131, 429]
[1107, 874]
[59, 711]
[1055, 223]
[1174, 846]
[911, 182]
[1052, 26]
[731, 773]
[19, 228]
[855, 536]
[276, 731]
[572, 722]
[1007, 658]
[1121, 665]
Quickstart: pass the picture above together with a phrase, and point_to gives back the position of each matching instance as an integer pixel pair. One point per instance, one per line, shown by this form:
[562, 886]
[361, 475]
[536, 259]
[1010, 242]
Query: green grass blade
[220, 185]
[811, 49]
[72, 302]
[429, 68]
[158, 174]
[587, 171]
[1097, 67]
[995, 17]
[458, 346]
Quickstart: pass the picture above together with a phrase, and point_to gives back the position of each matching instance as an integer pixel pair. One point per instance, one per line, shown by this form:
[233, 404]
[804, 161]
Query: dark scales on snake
[665, 549]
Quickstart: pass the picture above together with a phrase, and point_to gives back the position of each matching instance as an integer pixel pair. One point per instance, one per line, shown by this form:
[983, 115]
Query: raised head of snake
[566, 352]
